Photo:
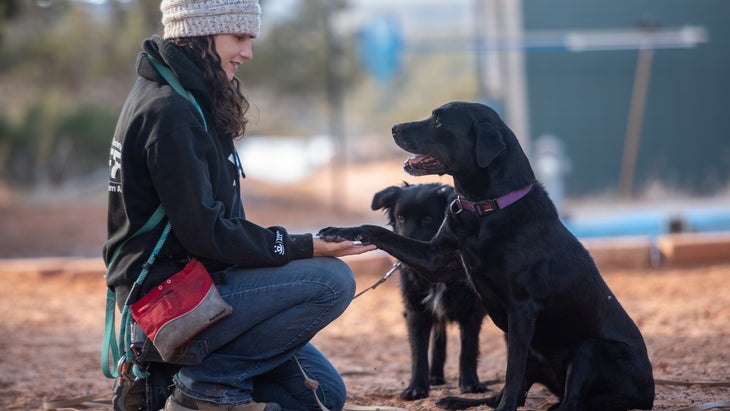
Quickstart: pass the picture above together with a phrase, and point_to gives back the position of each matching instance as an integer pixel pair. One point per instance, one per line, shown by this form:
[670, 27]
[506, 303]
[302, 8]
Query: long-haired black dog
[416, 211]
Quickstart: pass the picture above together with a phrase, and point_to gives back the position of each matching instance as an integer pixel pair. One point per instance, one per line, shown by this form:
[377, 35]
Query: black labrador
[416, 211]
[565, 328]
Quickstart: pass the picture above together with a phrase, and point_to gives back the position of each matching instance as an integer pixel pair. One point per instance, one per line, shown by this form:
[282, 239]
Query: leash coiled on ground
[78, 403]
[699, 407]
[707, 406]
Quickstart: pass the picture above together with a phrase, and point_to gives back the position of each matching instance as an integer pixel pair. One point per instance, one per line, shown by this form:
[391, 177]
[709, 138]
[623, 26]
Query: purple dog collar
[489, 206]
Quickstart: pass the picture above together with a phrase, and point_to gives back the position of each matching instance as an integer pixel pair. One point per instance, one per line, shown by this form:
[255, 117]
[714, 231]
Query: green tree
[65, 75]
[292, 58]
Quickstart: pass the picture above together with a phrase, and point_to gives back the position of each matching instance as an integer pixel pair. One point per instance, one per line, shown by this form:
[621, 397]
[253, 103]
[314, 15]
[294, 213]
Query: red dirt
[53, 309]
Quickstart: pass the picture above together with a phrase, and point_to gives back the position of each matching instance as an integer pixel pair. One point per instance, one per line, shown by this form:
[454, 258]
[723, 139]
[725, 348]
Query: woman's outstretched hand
[339, 248]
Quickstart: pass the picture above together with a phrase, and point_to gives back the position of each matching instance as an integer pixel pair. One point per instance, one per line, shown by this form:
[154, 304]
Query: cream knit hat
[192, 18]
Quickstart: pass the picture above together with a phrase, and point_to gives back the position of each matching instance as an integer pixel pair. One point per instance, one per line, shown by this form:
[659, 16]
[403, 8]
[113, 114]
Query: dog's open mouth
[423, 164]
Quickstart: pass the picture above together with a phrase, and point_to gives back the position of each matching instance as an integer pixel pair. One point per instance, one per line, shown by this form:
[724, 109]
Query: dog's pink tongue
[416, 158]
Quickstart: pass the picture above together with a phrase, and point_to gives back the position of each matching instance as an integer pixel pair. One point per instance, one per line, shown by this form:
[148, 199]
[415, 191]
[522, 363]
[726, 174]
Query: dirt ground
[52, 306]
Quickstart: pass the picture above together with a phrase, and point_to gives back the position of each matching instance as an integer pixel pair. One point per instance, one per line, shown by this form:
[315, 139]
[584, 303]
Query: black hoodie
[162, 153]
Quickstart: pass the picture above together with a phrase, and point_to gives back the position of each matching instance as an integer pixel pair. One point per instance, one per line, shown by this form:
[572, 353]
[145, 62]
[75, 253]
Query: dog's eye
[437, 122]
[401, 219]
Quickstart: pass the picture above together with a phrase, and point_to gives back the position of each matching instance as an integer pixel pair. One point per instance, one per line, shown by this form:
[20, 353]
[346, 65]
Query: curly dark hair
[229, 105]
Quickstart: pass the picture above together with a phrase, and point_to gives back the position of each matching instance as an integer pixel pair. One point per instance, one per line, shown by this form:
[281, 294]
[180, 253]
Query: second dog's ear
[489, 143]
[385, 198]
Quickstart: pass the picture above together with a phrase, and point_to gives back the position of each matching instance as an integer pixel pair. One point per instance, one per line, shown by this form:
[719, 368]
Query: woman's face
[233, 49]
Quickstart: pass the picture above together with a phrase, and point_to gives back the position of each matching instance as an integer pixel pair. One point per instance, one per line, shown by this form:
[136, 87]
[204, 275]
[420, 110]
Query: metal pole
[488, 55]
[635, 120]
[516, 109]
[335, 102]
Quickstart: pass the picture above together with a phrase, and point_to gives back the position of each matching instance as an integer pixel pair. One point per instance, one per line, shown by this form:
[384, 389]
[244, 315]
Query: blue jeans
[276, 311]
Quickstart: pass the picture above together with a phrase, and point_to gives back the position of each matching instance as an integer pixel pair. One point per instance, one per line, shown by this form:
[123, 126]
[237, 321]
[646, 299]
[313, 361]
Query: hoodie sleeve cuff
[302, 246]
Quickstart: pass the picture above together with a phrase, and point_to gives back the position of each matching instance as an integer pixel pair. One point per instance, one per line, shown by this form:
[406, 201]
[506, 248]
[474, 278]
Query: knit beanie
[192, 18]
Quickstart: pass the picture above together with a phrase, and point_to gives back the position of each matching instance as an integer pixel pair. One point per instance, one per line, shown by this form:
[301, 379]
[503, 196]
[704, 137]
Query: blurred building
[584, 97]
[572, 69]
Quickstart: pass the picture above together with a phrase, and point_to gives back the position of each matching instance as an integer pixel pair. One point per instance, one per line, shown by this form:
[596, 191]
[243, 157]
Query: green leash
[110, 343]
[112, 346]
[172, 80]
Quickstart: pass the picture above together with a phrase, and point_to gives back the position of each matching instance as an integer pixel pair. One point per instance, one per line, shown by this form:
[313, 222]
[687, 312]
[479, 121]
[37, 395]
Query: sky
[415, 15]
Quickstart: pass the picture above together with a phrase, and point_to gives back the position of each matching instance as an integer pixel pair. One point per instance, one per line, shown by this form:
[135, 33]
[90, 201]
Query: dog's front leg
[521, 327]
[419, 330]
[435, 260]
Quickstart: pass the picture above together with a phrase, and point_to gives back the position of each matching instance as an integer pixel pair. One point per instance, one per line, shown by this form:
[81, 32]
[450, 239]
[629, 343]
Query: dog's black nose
[395, 129]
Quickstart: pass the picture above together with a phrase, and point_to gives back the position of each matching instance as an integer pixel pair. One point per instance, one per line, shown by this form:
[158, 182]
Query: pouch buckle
[124, 369]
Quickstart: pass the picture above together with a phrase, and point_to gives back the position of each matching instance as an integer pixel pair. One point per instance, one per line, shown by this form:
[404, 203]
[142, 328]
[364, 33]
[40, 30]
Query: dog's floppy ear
[385, 198]
[490, 142]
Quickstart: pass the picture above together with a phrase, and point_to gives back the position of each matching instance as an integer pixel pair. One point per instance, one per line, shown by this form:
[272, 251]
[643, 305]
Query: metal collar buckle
[480, 208]
[488, 206]
[455, 207]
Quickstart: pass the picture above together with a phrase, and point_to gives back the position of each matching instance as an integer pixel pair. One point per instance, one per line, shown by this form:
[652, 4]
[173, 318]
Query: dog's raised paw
[331, 234]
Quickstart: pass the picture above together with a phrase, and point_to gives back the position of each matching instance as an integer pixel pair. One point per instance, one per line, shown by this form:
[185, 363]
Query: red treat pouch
[179, 308]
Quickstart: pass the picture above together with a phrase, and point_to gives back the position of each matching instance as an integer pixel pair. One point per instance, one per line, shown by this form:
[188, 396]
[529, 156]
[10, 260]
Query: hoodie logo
[115, 167]
[279, 244]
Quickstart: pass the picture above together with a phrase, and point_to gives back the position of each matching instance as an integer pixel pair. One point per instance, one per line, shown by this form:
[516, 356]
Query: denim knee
[343, 280]
[335, 399]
